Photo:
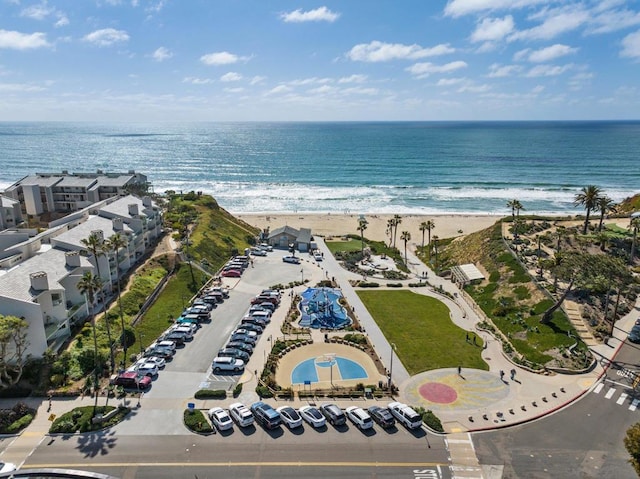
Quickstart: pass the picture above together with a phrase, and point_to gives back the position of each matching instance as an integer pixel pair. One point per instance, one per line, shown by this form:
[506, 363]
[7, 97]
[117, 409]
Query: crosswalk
[623, 399]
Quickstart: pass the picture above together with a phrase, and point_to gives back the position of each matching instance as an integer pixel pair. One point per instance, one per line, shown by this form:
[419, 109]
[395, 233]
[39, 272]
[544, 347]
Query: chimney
[133, 209]
[146, 201]
[39, 281]
[72, 259]
[117, 224]
[99, 234]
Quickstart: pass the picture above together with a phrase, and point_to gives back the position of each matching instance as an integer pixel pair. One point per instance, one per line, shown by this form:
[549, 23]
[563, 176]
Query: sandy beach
[327, 224]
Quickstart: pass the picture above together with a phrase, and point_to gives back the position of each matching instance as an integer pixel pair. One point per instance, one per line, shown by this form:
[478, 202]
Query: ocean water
[379, 167]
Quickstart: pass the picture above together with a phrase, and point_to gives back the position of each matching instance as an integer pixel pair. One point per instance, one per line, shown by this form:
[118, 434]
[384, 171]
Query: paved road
[582, 441]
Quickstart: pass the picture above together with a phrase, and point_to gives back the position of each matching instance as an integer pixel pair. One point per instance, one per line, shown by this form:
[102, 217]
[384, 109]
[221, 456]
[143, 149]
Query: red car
[131, 380]
[231, 273]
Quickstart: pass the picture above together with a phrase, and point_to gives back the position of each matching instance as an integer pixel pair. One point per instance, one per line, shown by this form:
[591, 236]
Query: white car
[266, 247]
[291, 259]
[258, 252]
[160, 362]
[313, 416]
[318, 256]
[220, 418]
[189, 328]
[7, 467]
[246, 332]
[405, 415]
[227, 364]
[290, 416]
[241, 414]
[144, 367]
[359, 417]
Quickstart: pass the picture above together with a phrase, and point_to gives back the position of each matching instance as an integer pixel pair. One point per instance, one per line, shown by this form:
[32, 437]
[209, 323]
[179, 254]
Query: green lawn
[351, 245]
[420, 327]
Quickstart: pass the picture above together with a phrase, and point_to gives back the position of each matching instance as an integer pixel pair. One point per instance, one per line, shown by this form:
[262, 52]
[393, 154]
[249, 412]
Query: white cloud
[451, 81]
[361, 91]
[377, 51]
[106, 37]
[279, 89]
[257, 80]
[470, 88]
[231, 76]
[631, 45]
[458, 8]
[322, 90]
[13, 40]
[62, 21]
[548, 70]
[353, 79]
[238, 89]
[422, 70]
[612, 21]
[161, 54]
[556, 23]
[579, 81]
[310, 81]
[492, 29]
[322, 14]
[500, 71]
[521, 54]
[537, 89]
[197, 81]
[19, 87]
[551, 53]
[219, 58]
[37, 12]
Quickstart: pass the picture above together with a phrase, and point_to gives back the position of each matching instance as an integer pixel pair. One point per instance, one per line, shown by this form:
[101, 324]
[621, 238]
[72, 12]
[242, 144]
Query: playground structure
[320, 309]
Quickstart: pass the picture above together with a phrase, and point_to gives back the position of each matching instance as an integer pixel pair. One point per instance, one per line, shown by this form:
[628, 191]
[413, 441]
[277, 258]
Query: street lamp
[393, 347]
[140, 341]
[302, 275]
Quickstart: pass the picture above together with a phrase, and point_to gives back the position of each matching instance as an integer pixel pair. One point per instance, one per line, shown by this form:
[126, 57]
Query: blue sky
[245, 60]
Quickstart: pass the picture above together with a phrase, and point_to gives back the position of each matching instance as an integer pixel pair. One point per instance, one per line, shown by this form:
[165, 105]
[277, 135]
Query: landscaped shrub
[80, 419]
[394, 285]
[196, 421]
[9, 417]
[211, 394]
[364, 284]
[237, 390]
[264, 392]
[20, 424]
[430, 419]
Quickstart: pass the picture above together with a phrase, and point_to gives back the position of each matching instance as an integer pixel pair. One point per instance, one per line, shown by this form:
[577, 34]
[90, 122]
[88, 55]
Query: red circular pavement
[438, 393]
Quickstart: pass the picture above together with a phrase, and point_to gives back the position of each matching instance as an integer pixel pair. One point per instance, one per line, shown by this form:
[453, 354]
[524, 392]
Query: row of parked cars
[141, 374]
[238, 349]
[271, 418]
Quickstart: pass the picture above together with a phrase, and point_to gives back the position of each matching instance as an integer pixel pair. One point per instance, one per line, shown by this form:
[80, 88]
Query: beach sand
[327, 224]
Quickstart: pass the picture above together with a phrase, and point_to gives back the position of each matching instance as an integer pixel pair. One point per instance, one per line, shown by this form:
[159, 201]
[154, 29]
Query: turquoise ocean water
[404, 167]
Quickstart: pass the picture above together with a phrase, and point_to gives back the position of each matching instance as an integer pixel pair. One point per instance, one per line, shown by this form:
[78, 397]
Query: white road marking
[610, 393]
[598, 388]
[622, 397]
[634, 405]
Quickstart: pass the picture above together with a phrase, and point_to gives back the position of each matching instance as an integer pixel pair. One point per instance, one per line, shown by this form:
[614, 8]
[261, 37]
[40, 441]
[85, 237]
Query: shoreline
[328, 224]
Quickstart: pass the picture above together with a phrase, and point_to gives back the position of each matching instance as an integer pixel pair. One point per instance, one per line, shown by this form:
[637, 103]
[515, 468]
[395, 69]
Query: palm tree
[515, 206]
[406, 237]
[588, 198]
[89, 285]
[389, 230]
[605, 205]
[427, 226]
[116, 243]
[397, 219]
[362, 225]
[435, 250]
[96, 245]
[635, 226]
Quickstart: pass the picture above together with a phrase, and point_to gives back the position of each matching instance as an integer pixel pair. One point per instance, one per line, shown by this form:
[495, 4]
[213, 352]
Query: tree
[632, 445]
[13, 346]
[635, 226]
[389, 230]
[406, 237]
[515, 206]
[116, 243]
[397, 219]
[435, 250]
[605, 205]
[99, 247]
[427, 226]
[587, 198]
[89, 285]
[362, 225]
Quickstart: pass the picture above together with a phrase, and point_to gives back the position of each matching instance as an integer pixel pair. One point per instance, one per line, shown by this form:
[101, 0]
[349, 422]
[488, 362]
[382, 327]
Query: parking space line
[622, 397]
[598, 388]
[634, 405]
[610, 393]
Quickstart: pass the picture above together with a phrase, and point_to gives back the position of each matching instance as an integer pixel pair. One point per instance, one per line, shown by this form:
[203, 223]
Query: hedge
[195, 420]
[211, 394]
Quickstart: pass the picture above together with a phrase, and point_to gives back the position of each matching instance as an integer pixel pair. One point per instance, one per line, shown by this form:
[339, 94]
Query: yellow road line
[238, 464]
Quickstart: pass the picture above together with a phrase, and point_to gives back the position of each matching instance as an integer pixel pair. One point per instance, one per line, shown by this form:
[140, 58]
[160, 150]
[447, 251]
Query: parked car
[246, 347]
[405, 415]
[201, 304]
[291, 259]
[266, 246]
[634, 334]
[145, 368]
[241, 414]
[253, 327]
[158, 361]
[333, 414]
[318, 256]
[244, 338]
[190, 328]
[217, 295]
[313, 416]
[159, 352]
[359, 417]
[176, 336]
[265, 315]
[167, 344]
[220, 289]
[131, 380]
[382, 416]
[227, 364]
[246, 332]
[220, 419]
[258, 252]
[248, 319]
[290, 417]
[7, 467]
[266, 299]
[231, 273]
[267, 306]
[266, 415]
[234, 353]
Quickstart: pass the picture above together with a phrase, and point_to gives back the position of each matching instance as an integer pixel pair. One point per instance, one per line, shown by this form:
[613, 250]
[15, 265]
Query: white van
[405, 415]
[227, 364]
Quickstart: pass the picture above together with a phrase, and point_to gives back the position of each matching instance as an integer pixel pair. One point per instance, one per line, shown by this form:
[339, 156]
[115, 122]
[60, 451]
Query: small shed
[282, 237]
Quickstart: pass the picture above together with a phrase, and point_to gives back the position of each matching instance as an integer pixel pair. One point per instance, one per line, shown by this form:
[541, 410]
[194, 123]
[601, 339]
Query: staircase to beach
[572, 309]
